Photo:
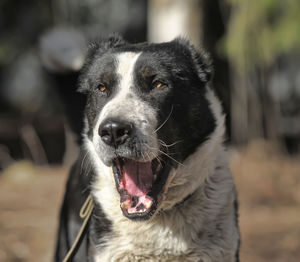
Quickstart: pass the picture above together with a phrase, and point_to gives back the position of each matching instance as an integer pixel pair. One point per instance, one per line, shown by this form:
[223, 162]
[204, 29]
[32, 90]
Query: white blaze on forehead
[125, 70]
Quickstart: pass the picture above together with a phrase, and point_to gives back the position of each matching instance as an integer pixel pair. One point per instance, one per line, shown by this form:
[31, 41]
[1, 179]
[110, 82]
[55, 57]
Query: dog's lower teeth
[125, 205]
[148, 203]
[132, 211]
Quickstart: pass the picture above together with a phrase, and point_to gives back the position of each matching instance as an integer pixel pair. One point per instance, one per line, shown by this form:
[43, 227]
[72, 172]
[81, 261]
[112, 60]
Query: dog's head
[147, 112]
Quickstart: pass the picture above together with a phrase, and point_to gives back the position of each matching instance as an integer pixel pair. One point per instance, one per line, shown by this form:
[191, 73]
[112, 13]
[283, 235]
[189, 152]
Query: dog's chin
[140, 185]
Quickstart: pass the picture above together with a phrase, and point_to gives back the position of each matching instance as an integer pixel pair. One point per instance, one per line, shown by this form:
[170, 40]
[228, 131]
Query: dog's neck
[191, 175]
[177, 228]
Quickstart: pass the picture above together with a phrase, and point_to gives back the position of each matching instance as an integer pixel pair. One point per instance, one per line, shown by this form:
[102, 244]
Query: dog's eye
[102, 88]
[158, 84]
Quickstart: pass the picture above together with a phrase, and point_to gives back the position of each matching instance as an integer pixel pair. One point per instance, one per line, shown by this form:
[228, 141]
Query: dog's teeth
[148, 203]
[130, 211]
[125, 205]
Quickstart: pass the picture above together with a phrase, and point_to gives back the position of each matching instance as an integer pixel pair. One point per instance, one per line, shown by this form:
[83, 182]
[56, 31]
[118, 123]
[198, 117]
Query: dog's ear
[201, 60]
[102, 45]
[96, 49]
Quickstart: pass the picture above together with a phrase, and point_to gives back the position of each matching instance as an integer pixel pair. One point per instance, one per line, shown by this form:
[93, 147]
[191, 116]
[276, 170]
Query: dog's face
[146, 113]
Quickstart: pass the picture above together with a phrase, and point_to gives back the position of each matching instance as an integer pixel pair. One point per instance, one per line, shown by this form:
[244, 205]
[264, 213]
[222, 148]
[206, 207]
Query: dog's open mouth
[139, 185]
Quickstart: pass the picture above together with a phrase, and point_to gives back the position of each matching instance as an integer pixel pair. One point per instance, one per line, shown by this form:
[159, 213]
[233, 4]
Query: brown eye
[158, 84]
[102, 88]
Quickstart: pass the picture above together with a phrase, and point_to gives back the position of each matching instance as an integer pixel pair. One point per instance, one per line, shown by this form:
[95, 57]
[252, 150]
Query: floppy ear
[201, 60]
[96, 49]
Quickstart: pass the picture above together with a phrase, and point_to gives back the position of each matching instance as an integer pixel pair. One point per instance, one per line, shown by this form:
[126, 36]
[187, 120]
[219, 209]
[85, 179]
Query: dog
[152, 158]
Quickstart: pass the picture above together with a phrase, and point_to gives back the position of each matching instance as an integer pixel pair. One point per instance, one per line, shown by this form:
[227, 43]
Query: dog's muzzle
[139, 178]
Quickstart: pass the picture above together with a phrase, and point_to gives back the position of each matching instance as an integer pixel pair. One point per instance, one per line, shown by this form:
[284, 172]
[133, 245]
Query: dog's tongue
[137, 177]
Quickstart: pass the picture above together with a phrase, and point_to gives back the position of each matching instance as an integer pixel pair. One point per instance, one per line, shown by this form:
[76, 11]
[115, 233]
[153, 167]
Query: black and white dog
[152, 158]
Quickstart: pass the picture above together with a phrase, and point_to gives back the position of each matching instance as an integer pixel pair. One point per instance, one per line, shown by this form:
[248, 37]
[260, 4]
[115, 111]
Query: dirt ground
[268, 183]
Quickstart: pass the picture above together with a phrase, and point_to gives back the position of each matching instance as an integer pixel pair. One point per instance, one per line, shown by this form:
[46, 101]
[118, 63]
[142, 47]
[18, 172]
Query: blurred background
[255, 47]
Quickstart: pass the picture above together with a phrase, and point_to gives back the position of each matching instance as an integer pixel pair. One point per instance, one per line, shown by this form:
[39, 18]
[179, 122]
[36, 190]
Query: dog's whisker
[82, 162]
[148, 155]
[156, 157]
[155, 131]
[170, 145]
[143, 156]
[167, 155]
[179, 163]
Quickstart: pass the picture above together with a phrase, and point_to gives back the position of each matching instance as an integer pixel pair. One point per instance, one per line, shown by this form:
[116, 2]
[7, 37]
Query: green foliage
[261, 30]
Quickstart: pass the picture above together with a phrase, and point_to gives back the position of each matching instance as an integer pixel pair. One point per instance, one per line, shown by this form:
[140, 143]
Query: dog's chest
[191, 257]
[152, 252]
[148, 243]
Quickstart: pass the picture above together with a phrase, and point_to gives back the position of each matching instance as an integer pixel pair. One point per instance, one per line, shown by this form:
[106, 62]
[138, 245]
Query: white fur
[175, 234]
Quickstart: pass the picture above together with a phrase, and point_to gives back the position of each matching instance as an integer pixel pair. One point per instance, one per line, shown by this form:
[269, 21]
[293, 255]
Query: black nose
[114, 132]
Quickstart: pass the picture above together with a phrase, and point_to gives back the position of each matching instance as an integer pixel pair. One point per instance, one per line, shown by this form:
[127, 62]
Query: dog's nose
[114, 132]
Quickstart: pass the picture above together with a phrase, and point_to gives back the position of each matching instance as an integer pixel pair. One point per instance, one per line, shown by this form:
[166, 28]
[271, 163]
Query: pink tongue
[137, 177]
